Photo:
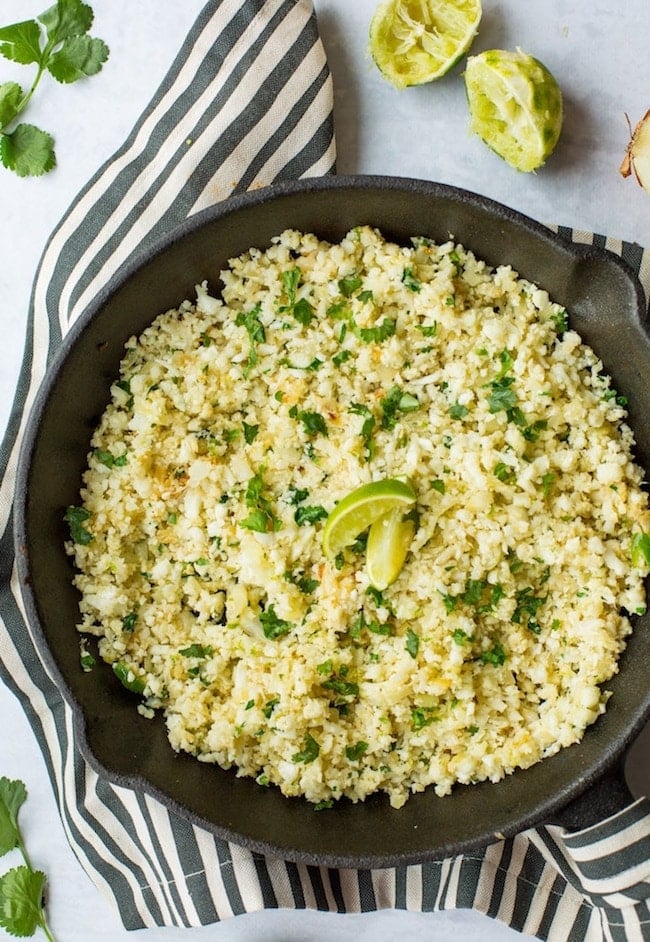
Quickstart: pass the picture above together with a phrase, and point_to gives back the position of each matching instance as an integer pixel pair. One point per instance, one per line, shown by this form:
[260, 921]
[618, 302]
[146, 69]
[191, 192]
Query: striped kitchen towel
[247, 102]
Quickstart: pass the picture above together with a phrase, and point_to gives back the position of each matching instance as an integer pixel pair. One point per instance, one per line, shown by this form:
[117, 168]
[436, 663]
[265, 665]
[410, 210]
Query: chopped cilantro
[272, 625]
[349, 284]
[502, 397]
[428, 330]
[109, 460]
[423, 716]
[250, 432]
[410, 281]
[504, 473]
[412, 643]
[458, 411]
[270, 706]
[367, 426]
[495, 655]
[379, 333]
[261, 518]
[197, 650]
[75, 518]
[129, 621]
[560, 321]
[356, 751]
[309, 752]
[394, 402]
[527, 606]
[307, 515]
[250, 321]
[313, 422]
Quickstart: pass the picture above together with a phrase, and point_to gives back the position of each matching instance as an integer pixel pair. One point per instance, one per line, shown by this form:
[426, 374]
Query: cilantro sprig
[22, 909]
[57, 42]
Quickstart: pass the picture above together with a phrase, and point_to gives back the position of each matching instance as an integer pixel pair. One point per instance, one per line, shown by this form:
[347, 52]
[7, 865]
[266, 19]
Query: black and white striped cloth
[248, 101]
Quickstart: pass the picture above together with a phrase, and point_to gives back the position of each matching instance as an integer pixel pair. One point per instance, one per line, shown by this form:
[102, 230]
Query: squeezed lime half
[417, 41]
[515, 105]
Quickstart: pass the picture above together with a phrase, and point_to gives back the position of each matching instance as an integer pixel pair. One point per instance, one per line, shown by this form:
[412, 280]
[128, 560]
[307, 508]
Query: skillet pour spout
[606, 306]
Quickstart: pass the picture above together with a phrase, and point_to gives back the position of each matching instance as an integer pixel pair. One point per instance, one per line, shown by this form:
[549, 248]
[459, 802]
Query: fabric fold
[248, 102]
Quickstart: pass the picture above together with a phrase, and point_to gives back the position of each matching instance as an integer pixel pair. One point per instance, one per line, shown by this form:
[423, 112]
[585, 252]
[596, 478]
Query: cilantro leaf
[394, 402]
[197, 650]
[12, 796]
[67, 53]
[495, 655]
[272, 625]
[458, 411]
[77, 58]
[21, 42]
[313, 423]
[379, 333]
[307, 515]
[410, 281]
[412, 643]
[65, 19]
[21, 901]
[349, 284]
[309, 752]
[76, 517]
[356, 751]
[27, 151]
[21, 889]
[10, 97]
[261, 518]
[502, 396]
[250, 321]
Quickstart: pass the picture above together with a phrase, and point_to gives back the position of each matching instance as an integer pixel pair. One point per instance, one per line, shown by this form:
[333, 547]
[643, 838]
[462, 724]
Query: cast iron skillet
[606, 306]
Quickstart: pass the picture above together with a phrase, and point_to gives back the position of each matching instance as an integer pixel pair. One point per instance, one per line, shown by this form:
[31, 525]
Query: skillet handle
[604, 798]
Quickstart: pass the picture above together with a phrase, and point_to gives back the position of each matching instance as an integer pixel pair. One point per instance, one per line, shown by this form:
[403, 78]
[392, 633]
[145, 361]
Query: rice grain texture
[236, 425]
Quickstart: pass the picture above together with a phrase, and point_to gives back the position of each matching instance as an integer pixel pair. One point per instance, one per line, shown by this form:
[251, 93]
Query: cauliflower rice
[237, 424]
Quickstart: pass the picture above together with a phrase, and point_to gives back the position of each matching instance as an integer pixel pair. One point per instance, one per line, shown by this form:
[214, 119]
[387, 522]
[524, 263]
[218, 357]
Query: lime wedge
[389, 539]
[359, 509]
[515, 106]
[417, 41]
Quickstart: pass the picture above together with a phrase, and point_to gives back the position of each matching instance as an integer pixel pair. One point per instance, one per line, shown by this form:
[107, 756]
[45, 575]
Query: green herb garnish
[495, 655]
[272, 625]
[197, 650]
[306, 515]
[309, 752]
[410, 281]
[394, 402]
[349, 284]
[22, 908]
[57, 42]
[250, 321]
[357, 751]
[75, 518]
[261, 518]
[412, 643]
[367, 426]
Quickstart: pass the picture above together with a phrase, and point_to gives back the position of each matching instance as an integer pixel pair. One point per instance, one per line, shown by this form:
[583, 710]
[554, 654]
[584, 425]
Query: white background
[599, 53]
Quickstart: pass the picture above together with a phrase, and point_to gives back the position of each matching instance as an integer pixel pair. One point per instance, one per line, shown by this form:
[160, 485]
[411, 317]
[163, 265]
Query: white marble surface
[597, 50]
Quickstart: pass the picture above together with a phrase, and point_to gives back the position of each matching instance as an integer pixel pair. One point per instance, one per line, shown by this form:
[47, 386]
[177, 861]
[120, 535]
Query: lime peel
[418, 41]
[359, 509]
[515, 106]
